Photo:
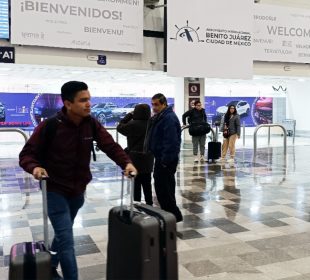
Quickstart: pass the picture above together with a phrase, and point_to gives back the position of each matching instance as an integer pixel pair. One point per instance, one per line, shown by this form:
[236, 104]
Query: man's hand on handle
[130, 169]
[39, 172]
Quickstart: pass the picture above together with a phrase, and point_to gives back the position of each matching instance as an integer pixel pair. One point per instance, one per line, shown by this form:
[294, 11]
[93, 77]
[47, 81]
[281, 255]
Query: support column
[194, 89]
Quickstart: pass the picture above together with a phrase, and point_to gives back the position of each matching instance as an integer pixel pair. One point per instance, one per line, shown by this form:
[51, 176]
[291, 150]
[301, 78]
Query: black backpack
[49, 132]
[199, 129]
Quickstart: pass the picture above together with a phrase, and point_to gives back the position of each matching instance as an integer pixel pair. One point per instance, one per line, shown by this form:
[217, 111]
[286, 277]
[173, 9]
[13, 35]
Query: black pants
[144, 181]
[164, 178]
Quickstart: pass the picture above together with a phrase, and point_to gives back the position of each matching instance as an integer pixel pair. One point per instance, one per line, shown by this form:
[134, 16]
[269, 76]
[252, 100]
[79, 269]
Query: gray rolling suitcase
[133, 244]
[32, 260]
[142, 243]
[167, 241]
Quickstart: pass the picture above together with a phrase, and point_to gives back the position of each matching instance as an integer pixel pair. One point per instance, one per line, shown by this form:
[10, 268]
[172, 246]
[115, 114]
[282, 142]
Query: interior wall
[290, 3]
[298, 100]
[151, 59]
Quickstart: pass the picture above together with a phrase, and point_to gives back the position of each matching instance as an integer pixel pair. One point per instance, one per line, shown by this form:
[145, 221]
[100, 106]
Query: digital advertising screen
[4, 19]
[253, 111]
[27, 110]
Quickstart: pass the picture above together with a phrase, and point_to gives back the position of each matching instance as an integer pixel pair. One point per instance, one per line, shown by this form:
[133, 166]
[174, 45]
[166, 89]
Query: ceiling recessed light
[77, 72]
[4, 69]
[140, 75]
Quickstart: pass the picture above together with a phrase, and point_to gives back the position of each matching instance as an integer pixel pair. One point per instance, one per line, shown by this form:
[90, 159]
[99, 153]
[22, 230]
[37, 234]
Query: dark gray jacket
[194, 116]
[134, 126]
[233, 125]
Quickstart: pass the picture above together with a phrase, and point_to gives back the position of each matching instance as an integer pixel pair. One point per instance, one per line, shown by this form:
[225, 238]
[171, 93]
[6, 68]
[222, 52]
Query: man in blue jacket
[164, 139]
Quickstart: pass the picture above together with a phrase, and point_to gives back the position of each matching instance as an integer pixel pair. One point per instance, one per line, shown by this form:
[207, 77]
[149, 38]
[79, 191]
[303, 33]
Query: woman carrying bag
[230, 126]
[134, 126]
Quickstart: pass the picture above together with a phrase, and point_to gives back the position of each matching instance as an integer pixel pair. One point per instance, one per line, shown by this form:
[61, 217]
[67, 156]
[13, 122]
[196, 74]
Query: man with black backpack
[60, 149]
[198, 129]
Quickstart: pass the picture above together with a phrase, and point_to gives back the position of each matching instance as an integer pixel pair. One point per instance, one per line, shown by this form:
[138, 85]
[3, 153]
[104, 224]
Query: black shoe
[179, 218]
[55, 275]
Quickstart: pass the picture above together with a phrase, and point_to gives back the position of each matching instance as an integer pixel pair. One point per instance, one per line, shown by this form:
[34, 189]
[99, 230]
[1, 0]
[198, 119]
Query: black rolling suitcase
[214, 148]
[142, 243]
[32, 260]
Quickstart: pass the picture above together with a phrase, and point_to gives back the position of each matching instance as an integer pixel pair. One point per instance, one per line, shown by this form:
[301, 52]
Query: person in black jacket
[134, 126]
[197, 116]
[66, 163]
[164, 141]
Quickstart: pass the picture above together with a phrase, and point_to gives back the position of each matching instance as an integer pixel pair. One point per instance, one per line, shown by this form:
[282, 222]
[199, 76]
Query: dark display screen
[4, 19]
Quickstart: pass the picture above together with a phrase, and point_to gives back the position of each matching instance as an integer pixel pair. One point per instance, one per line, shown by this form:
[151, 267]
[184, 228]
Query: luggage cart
[290, 126]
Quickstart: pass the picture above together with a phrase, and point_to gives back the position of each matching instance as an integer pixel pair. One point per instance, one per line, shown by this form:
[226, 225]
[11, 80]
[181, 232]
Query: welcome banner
[210, 38]
[111, 25]
[281, 34]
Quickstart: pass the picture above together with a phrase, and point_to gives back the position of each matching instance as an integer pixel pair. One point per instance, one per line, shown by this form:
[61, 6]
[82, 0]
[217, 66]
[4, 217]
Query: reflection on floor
[248, 220]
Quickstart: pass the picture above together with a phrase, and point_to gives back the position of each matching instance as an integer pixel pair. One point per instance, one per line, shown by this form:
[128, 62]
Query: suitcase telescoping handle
[43, 187]
[131, 177]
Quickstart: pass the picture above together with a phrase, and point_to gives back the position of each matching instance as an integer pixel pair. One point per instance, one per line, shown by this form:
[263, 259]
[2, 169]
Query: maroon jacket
[68, 157]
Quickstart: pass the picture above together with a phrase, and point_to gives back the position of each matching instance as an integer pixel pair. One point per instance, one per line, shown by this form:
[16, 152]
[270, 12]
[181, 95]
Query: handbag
[226, 132]
[199, 129]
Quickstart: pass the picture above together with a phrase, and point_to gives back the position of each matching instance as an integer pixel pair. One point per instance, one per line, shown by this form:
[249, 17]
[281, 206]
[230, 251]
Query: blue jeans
[62, 212]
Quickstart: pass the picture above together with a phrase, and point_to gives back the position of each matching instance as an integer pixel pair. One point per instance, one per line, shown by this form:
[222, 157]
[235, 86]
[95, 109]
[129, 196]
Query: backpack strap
[94, 131]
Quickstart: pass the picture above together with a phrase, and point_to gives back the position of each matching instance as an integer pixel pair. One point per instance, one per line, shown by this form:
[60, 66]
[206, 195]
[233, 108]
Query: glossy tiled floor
[249, 220]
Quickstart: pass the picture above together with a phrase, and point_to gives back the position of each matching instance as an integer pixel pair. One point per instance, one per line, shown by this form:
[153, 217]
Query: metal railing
[269, 126]
[17, 130]
[27, 178]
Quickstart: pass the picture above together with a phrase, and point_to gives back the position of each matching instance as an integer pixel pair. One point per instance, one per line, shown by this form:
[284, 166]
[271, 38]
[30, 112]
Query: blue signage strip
[4, 19]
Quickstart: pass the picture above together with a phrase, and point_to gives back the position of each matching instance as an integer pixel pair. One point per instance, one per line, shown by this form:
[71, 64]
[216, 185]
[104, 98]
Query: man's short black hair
[70, 89]
[197, 102]
[162, 99]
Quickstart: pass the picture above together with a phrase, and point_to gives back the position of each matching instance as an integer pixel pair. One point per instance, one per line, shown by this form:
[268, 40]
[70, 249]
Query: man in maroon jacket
[66, 163]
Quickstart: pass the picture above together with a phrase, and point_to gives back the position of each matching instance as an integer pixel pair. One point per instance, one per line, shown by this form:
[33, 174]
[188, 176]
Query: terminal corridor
[248, 220]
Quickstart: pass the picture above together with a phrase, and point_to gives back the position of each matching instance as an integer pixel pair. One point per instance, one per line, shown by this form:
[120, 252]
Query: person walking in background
[230, 126]
[60, 149]
[134, 126]
[197, 120]
[164, 141]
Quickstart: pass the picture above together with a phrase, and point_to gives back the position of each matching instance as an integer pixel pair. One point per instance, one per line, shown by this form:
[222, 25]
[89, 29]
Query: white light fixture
[77, 72]
[140, 75]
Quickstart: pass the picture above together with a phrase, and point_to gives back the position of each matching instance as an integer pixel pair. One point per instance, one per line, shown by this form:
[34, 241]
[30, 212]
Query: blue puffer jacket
[165, 137]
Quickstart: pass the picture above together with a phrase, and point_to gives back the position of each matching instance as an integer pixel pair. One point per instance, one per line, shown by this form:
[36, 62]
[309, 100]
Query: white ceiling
[42, 72]
[41, 78]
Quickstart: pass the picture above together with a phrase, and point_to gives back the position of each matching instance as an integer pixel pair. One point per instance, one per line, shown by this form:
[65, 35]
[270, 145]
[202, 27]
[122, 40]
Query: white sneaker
[202, 158]
[231, 160]
[196, 159]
